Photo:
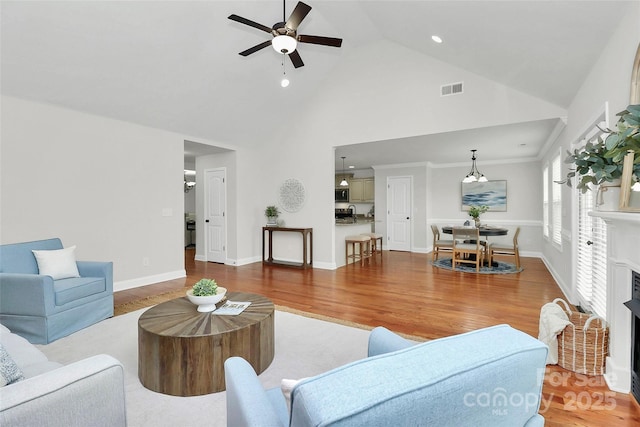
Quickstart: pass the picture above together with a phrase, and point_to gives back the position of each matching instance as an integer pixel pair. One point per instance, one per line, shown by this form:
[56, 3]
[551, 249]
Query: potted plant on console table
[600, 163]
[272, 212]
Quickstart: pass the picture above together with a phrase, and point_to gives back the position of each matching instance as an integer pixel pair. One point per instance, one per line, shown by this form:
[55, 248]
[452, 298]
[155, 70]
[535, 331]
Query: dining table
[485, 231]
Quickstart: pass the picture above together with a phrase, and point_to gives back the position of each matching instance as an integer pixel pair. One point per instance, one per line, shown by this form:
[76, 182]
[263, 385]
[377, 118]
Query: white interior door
[399, 213]
[214, 212]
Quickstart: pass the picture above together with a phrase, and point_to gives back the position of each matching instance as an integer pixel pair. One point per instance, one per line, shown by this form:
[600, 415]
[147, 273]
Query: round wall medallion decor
[292, 195]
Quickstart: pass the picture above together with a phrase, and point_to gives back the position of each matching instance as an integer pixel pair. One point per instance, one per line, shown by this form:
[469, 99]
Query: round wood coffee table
[181, 351]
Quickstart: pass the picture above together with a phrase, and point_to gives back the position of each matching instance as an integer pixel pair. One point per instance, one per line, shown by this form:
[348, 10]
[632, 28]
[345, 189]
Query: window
[545, 201]
[591, 274]
[591, 250]
[556, 202]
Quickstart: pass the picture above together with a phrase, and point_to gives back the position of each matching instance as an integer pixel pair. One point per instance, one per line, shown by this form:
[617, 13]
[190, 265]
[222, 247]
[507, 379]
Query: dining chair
[502, 249]
[467, 247]
[445, 245]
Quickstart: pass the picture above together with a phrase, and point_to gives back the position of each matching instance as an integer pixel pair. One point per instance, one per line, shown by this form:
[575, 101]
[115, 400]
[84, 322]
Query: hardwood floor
[404, 293]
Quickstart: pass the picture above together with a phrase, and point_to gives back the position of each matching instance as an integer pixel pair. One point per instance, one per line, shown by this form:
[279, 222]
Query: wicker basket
[583, 345]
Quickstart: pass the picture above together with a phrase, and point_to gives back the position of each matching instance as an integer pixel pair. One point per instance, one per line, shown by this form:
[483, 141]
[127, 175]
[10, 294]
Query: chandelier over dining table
[474, 175]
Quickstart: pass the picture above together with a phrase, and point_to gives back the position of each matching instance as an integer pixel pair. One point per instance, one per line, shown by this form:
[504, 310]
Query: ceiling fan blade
[325, 41]
[298, 14]
[250, 23]
[256, 48]
[295, 59]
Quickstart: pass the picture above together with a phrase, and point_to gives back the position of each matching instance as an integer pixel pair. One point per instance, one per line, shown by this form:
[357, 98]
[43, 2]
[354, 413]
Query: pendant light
[344, 182]
[474, 175]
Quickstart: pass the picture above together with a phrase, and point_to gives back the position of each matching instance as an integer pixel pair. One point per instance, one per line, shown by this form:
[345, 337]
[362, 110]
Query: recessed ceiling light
[436, 39]
[352, 167]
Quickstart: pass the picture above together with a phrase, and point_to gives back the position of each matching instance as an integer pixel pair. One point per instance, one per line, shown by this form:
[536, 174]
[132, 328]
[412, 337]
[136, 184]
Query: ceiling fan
[285, 34]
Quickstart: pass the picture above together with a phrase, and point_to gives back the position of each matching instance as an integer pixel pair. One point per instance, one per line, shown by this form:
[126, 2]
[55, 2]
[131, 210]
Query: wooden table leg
[304, 249]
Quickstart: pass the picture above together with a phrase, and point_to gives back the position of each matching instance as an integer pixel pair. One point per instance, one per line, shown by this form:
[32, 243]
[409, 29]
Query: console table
[307, 246]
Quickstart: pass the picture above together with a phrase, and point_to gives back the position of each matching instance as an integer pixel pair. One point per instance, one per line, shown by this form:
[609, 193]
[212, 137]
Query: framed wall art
[490, 193]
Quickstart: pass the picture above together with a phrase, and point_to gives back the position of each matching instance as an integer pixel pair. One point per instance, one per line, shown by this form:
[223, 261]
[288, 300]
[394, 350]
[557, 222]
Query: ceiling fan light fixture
[284, 44]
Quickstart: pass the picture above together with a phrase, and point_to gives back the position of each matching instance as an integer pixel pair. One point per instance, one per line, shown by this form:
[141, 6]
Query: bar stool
[374, 242]
[363, 252]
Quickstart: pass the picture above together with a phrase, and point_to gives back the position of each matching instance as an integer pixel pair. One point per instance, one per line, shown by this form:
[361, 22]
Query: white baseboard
[228, 261]
[148, 280]
[566, 291]
[250, 260]
[325, 265]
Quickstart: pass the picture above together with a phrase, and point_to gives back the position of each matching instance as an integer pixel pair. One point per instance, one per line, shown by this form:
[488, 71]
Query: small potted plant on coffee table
[206, 294]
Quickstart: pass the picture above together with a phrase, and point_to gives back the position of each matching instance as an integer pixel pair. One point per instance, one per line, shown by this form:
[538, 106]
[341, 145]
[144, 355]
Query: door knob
[206, 220]
[407, 217]
[589, 242]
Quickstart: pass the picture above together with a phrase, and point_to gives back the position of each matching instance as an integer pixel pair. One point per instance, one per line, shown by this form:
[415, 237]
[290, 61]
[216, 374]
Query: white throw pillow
[287, 386]
[59, 263]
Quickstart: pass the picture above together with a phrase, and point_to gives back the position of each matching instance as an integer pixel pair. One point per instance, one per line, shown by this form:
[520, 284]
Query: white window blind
[556, 194]
[545, 201]
[591, 274]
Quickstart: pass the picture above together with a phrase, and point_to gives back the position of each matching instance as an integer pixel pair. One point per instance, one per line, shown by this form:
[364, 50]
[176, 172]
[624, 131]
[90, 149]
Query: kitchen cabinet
[361, 190]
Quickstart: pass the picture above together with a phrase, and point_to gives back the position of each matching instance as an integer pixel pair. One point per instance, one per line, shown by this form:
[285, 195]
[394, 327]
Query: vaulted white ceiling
[175, 65]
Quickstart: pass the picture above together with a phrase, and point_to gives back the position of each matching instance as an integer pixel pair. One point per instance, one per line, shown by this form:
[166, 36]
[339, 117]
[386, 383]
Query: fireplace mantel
[633, 218]
[623, 257]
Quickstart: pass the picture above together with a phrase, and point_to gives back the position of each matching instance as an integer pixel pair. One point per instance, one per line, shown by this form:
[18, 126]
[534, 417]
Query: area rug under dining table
[498, 267]
[303, 347]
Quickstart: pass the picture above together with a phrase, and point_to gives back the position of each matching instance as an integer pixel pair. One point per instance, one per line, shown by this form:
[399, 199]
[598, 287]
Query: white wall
[112, 188]
[609, 81]
[400, 97]
[524, 201]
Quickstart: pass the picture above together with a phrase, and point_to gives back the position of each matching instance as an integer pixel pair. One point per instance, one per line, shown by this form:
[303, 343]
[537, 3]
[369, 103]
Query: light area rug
[303, 347]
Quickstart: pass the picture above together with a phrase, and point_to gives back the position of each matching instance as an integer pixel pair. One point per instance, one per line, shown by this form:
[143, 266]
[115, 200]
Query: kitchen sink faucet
[354, 212]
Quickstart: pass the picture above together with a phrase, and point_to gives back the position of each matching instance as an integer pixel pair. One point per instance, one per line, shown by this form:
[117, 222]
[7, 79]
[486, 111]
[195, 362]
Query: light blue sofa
[489, 377]
[42, 309]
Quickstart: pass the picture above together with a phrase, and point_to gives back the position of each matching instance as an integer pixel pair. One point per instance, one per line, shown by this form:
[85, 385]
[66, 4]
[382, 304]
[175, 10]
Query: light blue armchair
[42, 309]
[489, 377]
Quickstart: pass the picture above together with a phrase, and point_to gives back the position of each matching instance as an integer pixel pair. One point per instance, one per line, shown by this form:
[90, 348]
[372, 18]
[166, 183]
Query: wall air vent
[451, 89]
